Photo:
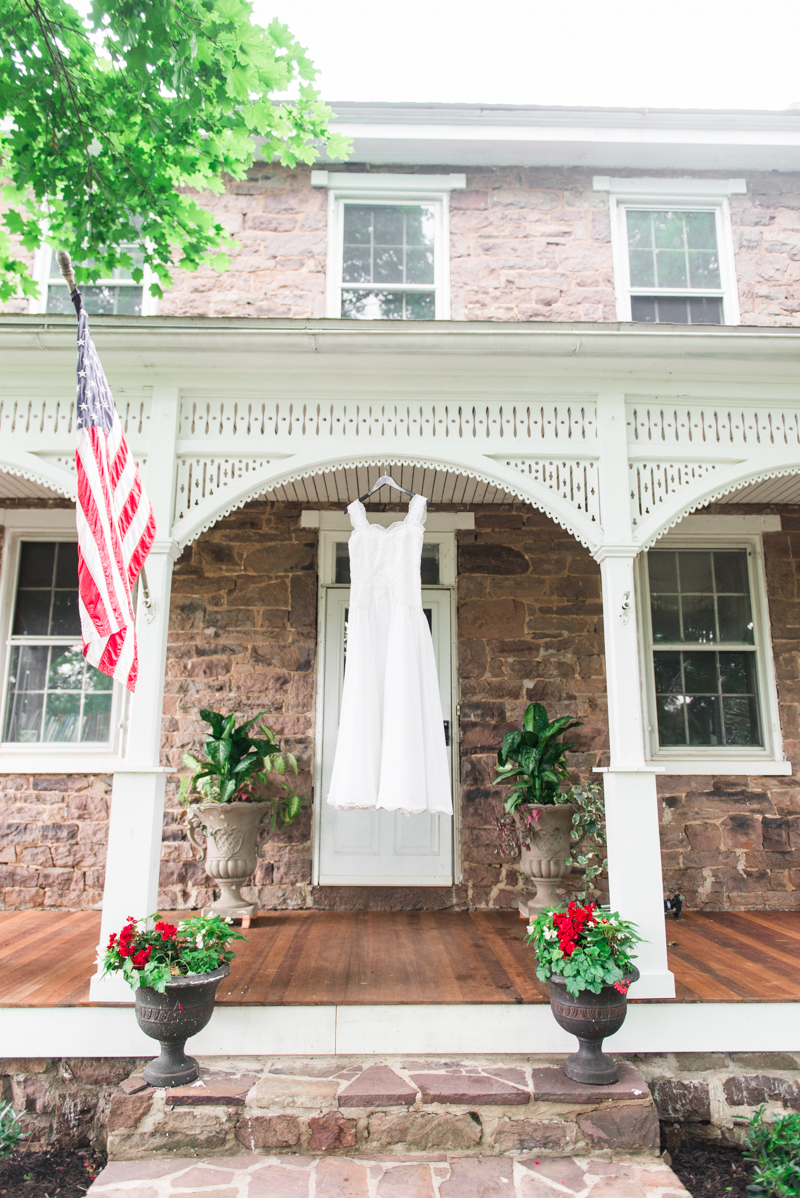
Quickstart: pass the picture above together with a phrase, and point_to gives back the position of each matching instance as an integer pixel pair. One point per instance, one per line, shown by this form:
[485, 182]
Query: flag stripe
[116, 526]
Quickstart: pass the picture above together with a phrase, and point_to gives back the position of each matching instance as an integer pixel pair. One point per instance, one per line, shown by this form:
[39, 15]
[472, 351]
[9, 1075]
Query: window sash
[765, 698]
[18, 642]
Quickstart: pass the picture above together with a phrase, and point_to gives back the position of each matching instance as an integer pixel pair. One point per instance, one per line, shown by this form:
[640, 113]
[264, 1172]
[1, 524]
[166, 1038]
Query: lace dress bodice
[385, 562]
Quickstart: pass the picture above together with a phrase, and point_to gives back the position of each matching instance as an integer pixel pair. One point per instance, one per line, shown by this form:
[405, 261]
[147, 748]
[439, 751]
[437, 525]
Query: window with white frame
[710, 681]
[673, 250]
[388, 245]
[51, 696]
[119, 295]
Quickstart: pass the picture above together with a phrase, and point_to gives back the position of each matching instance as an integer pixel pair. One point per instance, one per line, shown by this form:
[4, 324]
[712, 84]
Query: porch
[406, 981]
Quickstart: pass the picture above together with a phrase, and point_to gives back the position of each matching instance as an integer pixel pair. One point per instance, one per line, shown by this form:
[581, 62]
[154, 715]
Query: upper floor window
[51, 695]
[120, 295]
[673, 251]
[388, 245]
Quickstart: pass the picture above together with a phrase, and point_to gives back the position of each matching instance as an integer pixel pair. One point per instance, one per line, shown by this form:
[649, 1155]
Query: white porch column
[632, 819]
[137, 803]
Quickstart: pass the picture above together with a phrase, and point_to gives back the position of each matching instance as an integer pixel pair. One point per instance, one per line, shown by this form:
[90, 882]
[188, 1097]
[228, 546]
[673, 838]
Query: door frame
[446, 539]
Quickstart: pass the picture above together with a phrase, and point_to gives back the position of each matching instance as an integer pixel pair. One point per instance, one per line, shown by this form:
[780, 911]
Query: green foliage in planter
[236, 760]
[774, 1148]
[10, 1131]
[150, 952]
[534, 760]
[588, 834]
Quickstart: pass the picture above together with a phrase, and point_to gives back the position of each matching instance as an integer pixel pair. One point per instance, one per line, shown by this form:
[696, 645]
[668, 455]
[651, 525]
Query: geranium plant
[586, 946]
[149, 952]
[236, 761]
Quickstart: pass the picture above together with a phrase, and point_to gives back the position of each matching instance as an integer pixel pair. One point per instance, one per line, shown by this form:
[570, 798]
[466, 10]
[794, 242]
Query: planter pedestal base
[591, 1066]
[172, 1067]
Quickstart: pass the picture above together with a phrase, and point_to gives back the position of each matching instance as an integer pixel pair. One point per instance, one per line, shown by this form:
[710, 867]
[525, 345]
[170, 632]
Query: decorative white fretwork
[37, 417]
[704, 426]
[201, 479]
[575, 481]
[562, 422]
[655, 483]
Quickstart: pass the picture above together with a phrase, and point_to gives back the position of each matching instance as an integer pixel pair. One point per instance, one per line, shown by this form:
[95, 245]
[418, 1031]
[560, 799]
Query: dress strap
[357, 513]
[417, 510]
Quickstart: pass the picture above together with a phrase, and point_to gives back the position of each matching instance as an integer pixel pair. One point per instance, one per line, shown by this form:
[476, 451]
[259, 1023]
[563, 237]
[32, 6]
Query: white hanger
[385, 480]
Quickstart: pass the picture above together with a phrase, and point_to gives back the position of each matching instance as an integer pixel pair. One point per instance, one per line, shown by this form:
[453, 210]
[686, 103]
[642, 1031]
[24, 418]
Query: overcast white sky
[681, 54]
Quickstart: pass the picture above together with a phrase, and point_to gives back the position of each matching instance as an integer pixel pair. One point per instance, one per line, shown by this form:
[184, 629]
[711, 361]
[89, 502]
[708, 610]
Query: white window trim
[388, 189]
[708, 532]
[678, 195]
[42, 262]
[46, 758]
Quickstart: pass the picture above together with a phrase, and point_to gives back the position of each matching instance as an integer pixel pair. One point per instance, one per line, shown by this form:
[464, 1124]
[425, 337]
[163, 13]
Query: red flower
[622, 986]
[168, 930]
[570, 925]
[111, 939]
[141, 958]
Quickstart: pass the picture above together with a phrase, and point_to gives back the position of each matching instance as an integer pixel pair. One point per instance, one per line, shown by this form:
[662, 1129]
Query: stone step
[381, 1176]
[395, 1105]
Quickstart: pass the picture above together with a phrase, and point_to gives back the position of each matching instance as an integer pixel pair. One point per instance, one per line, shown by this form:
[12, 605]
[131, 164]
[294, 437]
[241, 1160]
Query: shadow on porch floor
[302, 958]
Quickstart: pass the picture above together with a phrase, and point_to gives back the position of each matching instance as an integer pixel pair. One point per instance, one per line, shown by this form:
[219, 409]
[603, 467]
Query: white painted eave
[507, 135]
[193, 351]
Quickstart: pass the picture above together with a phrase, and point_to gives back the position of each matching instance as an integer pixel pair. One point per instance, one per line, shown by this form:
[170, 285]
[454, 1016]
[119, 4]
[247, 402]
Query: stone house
[574, 331]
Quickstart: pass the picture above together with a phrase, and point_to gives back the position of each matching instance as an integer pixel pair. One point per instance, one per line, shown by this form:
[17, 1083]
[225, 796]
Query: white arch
[478, 466]
[47, 474]
[772, 463]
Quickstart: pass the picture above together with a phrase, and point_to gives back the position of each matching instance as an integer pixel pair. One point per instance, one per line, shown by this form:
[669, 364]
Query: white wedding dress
[391, 751]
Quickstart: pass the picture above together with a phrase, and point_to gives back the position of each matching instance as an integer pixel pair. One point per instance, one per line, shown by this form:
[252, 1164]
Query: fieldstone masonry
[243, 638]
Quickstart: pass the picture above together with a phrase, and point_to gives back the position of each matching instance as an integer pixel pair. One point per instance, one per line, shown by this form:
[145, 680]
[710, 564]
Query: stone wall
[530, 628]
[525, 244]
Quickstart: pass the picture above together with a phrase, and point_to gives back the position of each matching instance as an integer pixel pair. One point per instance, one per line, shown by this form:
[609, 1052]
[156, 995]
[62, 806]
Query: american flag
[116, 526]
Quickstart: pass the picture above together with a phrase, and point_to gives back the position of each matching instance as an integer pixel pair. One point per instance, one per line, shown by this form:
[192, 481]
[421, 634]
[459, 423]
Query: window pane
[662, 567]
[66, 668]
[737, 673]
[29, 667]
[671, 268]
[730, 572]
[65, 619]
[703, 269]
[741, 721]
[357, 224]
[388, 305]
[96, 718]
[643, 268]
[671, 720]
[419, 266]
[673, 309]
[98, 299]
[67, 565]
[698, 618]
[62, 716]
[429, 566]
[387, 225]
[668, 672]
[700, 673]
[32, 613]
[342, 563]
[703, 719]
[695, 572]
[25, 693]
[389, 265]
[36, 560]
[668, 230]
[644, 309]
[701, 230]
[666, 615]
[357, 266]
[735, 619]
[704, 310]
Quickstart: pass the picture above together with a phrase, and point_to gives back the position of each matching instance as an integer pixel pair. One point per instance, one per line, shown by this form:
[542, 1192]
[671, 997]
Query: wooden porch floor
[301, 958]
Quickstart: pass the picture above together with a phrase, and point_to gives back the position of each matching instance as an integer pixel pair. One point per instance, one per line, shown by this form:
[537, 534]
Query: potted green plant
[586, 957]
[174, 971]
[533, 760]
[230, 814]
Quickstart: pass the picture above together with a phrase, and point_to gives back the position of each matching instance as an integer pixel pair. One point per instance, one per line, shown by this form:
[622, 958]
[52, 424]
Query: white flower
[199, 941]
[550, 934]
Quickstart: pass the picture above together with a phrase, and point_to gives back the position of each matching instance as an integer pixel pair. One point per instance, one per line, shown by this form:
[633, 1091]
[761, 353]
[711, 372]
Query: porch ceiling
[771, 490]
[340, 487]
[12, 487]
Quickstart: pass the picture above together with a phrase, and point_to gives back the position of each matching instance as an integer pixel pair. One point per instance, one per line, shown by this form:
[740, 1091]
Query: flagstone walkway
[387, 1177]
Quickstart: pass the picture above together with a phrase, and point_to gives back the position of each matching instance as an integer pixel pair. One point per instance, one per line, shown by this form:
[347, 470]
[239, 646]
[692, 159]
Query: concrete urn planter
[181, 1011]
[545, 861]
[228, 835]
[591, 1017]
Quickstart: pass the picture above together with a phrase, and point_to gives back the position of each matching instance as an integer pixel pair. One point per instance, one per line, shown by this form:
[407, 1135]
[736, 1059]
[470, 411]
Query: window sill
[59, 763]
[743, 767]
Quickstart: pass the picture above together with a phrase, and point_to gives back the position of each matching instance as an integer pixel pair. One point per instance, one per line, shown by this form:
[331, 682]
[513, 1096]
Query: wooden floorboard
[299, 958]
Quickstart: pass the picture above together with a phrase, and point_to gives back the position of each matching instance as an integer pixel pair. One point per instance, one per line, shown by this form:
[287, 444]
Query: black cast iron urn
[590, 1017]
[181, 1011]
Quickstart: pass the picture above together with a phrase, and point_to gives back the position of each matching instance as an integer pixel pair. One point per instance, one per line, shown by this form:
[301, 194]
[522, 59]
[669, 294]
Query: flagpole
[65, 262]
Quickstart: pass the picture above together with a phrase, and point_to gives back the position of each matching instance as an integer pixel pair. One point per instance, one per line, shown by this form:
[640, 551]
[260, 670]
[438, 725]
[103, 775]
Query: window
[710, 680]
[429, 565]
[51, 695]
[117, 296]
[672, 248]
[388, 245]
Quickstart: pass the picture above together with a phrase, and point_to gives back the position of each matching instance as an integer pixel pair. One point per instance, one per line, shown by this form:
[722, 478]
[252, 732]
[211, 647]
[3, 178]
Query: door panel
[380, 848]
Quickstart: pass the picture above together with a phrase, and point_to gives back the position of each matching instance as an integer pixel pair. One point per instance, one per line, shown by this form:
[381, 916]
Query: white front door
[380, 848]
